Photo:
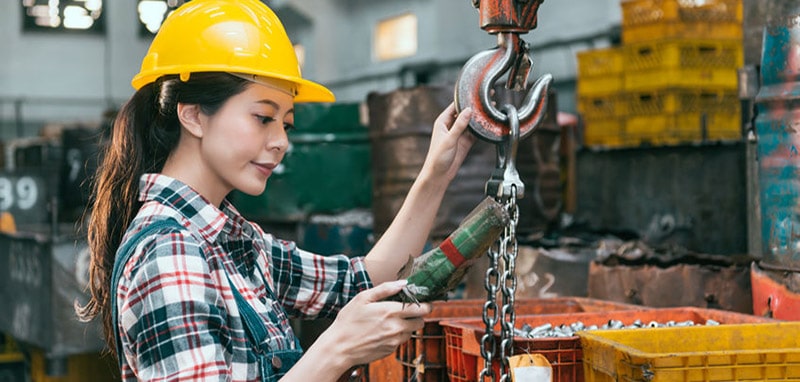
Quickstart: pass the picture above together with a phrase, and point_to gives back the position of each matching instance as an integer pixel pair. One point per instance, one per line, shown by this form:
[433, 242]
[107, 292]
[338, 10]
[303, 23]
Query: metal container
[777, 122]
[348, 233]
[692, 196]
[42, 278]
[400, 125]
[79, 160]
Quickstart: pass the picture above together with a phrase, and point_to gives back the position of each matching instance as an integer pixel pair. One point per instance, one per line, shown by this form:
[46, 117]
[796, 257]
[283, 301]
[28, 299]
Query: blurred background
[646, 184]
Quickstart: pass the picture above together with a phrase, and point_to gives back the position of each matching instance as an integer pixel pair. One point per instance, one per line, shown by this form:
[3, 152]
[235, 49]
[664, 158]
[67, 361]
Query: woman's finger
[412, 310]
[447, 116]
[462, 121]
[384, 290]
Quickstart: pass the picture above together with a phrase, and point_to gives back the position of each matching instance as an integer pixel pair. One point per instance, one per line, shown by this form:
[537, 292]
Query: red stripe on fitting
[452, 252]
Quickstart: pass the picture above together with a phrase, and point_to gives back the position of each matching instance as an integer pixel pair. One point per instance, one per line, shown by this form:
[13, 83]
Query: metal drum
[79, 160]
[775, 281]
[400, 125]
[778, 130]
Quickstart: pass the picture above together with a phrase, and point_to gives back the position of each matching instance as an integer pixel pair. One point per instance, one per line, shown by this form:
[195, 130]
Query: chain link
[490, 314]
[505, 185]
[509, 285]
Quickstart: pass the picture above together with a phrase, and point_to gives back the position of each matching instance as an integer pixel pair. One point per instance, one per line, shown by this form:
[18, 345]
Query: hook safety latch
[505, 182]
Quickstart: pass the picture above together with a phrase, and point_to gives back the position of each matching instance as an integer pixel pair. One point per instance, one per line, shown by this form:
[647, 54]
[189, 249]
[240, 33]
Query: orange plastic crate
[565, 354]
[426, 349]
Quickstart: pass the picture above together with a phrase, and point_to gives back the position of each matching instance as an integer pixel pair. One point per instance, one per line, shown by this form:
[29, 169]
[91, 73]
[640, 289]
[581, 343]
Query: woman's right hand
[368, 328]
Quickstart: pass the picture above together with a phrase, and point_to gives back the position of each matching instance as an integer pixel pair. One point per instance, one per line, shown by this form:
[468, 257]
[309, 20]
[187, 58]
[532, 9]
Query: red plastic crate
[426, 349]
[565, 354]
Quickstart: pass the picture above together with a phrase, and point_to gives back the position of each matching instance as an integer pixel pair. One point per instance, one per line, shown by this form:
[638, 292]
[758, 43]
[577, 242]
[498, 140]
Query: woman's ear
[189, 116]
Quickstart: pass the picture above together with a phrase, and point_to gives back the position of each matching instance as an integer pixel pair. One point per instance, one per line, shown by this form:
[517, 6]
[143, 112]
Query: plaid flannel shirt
[177, 315]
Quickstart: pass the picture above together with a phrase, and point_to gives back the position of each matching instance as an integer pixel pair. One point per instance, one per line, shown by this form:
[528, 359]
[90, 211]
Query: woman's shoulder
[158, 237]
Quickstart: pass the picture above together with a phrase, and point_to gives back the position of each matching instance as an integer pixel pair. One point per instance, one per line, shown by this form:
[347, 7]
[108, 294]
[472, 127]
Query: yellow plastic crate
[602, 106]
[93, 367]
[638, 12]
[13, 367]
[600, 62]
[684, 53]
[608, 133]
[736, 352]
[600, 85]
[682, 128]
[690, 78]
[11, 357]
[680, 29]
[9, 345]
[673, 100]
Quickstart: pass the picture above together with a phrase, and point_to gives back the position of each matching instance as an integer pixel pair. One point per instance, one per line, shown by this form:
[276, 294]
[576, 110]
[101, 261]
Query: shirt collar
[207, 219]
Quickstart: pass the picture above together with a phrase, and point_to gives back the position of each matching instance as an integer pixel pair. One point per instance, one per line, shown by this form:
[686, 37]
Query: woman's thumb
[385, 290]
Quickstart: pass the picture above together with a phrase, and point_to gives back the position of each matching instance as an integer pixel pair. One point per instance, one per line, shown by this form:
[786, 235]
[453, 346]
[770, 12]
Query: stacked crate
[678, 71]
[600, 96]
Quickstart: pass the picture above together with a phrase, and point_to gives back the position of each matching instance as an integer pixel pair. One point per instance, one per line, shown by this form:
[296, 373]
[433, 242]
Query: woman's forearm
[406, 236]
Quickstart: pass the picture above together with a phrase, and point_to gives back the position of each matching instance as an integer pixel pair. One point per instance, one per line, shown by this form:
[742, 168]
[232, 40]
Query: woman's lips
[265, 168]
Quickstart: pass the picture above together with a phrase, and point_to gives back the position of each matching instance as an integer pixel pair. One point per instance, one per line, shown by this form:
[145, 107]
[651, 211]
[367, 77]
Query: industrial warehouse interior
[626, 210]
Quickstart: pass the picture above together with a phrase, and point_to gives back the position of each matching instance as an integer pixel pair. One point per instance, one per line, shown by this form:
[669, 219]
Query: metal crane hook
[480, 74]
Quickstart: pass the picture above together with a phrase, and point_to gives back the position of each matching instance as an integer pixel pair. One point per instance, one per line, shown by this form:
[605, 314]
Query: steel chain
[509, 285]
[505, 190]
[490, 314]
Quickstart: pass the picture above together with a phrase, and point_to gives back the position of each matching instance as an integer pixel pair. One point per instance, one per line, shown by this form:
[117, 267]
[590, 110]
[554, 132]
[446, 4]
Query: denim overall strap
[123, 255]
[272, 364]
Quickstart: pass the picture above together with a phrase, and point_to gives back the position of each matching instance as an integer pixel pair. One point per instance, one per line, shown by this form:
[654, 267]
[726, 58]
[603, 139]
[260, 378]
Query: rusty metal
[399, 141]
[772, 298]
[635, 273]
[505, 127]
[507, 19]
[518, 16]
[778, 139]
[478, 78]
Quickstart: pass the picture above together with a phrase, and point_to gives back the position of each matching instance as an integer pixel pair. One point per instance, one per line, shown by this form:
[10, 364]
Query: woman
[207, 296]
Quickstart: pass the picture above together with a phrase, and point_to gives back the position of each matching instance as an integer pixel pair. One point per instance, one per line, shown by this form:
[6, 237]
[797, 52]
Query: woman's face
[246, 139]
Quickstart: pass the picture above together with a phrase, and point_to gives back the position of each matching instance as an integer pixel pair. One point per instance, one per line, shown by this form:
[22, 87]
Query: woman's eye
[265, 119]
[288, 126]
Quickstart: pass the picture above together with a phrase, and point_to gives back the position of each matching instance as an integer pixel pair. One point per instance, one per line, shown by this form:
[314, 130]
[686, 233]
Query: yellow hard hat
[237, 36]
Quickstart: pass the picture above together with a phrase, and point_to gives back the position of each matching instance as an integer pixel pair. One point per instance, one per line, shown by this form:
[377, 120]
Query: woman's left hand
[450, 143]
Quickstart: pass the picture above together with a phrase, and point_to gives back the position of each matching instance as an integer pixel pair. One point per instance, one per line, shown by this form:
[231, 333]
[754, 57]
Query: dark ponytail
[145, 132]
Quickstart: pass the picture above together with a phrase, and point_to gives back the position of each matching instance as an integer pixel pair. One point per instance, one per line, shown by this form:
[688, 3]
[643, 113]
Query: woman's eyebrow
[274, 104]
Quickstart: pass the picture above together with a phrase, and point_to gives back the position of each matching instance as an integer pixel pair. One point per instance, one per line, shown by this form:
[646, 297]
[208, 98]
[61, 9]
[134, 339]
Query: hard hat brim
[307, 91]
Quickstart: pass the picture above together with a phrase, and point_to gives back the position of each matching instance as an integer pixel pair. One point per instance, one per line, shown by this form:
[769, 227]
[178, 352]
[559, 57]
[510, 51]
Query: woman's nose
[278, 140]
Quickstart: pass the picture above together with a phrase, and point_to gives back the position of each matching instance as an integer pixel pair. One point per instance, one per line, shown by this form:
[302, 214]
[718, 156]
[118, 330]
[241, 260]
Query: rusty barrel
[777, 126]
[778, 130]
[400, 124]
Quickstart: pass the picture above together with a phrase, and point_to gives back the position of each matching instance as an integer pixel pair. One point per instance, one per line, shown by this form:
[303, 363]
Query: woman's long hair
[145, 132]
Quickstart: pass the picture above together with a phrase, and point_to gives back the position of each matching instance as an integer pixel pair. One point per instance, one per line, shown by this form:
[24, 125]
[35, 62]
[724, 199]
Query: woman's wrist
[327, 354]
[428, 182]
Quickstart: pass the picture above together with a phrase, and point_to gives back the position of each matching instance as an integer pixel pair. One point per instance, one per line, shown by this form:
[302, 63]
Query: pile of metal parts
[549, 331]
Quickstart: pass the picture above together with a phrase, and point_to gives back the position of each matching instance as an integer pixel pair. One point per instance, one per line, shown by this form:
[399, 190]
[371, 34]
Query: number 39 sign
[24, 196]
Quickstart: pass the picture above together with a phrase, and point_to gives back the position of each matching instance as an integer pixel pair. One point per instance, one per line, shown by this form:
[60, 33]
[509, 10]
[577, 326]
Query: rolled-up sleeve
[309, 285]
